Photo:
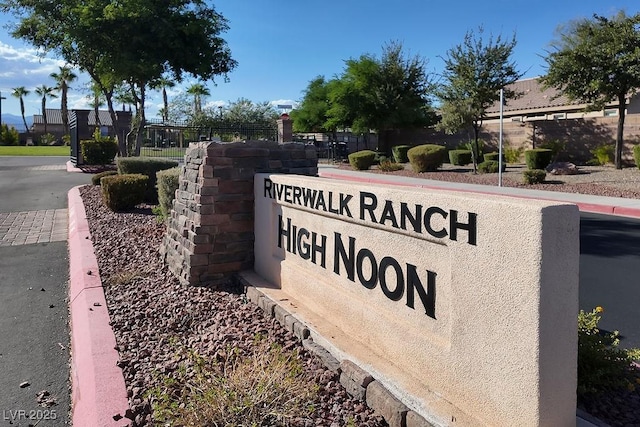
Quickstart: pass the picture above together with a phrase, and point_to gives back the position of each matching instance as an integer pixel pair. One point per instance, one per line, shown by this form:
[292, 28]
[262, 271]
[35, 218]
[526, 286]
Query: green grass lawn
[46, 150]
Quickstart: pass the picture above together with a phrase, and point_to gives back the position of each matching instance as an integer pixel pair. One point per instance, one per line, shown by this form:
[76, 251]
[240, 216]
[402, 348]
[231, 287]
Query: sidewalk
[98, 389]
[586, 203]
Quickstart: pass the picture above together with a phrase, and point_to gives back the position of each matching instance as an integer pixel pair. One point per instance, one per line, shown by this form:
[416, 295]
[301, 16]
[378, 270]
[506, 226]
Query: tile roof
[54, 117]
[533, 97]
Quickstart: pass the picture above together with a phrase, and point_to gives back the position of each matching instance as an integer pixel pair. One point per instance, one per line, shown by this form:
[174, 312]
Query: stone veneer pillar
[210, 234]
[285, 129]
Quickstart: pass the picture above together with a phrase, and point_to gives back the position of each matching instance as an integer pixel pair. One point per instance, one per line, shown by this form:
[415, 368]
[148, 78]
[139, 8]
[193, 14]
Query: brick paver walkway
[24, 228]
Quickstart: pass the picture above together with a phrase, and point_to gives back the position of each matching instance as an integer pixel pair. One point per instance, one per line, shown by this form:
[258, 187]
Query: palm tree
[164, 83]
[198, 90]
[96, 100]
[20, 92]
[45, 92]
[63, 78]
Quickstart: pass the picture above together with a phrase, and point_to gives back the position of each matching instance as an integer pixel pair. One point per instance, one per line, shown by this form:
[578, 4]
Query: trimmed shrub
[95, 179]
[362, 160]
[99, 150]
[123, 192]
[636, 155]
[538, 158]
[460, 157]
[490, 166]
[494, 157]
[427, 157]
[389, 166]
[534, 176]
[400, 153]
[604, 153]
[148, 166]
[167, 186]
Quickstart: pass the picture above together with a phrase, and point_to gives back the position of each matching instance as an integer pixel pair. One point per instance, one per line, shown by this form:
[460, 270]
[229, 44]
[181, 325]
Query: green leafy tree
[597, 61]
[473, 75]
[153, 38]
[9, 135]
[45, 92]
[20, 92]
[311, 113]
[245, 111]
[385, 94]
[63, 78]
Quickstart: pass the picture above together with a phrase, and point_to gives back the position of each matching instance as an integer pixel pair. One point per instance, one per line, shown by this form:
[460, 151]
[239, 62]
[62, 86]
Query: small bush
[95, 179]
[602, 366]
[167, 186]
[490, 166]
[99, 150]
[400, 153]
[538, 158]
[493, 156]
[48, 139]
[123, 192]
[389, 166]
[636, 155]
[460, 157]
[604, 153]
[427, 157]
[534, 176]
[362, 160]
[148, 166]
[513, 155]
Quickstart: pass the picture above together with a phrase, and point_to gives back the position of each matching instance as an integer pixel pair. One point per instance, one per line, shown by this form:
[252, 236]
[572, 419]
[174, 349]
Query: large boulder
[562, 168]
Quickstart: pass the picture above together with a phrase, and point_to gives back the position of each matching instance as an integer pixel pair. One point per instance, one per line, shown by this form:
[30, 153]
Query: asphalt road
[610, 273]
[34, 332]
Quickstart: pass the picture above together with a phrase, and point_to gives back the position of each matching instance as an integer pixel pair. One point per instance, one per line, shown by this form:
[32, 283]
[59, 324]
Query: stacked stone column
[210, 233]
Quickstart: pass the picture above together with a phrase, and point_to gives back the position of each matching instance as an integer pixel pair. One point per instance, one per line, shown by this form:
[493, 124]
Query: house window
[611, 112]
[104, 131]
[559, 116]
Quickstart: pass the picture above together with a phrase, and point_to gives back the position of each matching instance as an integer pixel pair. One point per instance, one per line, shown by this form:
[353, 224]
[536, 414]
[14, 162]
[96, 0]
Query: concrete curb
[626, 211]
[98, 391]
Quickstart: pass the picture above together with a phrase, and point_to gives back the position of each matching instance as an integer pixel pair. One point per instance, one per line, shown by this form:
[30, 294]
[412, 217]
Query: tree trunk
[63, 108]
[122, 143]
[143, 119]
[475, 152]
[44, 113]
[622, 106]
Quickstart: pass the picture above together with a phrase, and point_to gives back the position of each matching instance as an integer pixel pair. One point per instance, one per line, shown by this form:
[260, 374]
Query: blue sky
[281, 46]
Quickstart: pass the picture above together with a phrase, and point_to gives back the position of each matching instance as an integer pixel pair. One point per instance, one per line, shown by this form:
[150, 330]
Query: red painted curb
[98, 391]
[583, 207]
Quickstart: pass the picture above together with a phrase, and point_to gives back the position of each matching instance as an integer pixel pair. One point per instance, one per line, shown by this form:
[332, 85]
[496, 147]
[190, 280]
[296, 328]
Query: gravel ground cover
[157, 322]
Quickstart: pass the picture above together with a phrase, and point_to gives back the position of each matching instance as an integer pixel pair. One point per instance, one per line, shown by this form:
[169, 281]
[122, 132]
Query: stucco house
[539, 115]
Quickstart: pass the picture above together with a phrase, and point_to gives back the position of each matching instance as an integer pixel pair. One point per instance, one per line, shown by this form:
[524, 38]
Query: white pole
[500, 141]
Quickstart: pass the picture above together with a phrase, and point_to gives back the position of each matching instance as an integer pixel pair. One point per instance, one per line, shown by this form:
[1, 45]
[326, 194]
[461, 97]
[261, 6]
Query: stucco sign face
[440, 291]
[346, 250]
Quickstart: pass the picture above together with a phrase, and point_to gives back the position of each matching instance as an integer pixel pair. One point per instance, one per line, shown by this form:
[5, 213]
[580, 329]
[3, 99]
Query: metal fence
[172, 139]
